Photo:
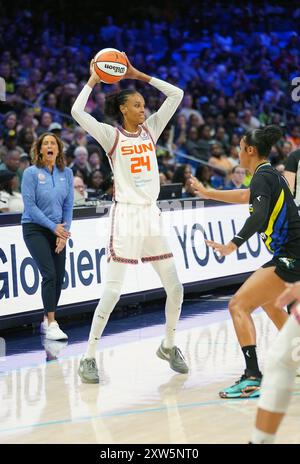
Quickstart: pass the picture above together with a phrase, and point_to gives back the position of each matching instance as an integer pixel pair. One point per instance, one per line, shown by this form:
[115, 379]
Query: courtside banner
[185, 228]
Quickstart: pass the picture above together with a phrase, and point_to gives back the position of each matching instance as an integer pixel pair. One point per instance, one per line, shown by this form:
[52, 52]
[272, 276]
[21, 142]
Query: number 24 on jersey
[138, 162]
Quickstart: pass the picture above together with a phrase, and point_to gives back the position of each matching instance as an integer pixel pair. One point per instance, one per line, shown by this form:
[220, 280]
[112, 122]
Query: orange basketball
[110, 65]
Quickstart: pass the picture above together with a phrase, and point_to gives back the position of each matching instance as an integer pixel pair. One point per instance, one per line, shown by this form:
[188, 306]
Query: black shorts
[288, 269]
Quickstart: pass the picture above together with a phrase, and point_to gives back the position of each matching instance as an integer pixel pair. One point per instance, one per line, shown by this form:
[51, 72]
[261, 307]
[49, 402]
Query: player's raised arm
[103, 133]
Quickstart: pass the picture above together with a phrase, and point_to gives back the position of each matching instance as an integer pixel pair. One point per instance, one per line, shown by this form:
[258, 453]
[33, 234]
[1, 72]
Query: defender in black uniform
[274, 215]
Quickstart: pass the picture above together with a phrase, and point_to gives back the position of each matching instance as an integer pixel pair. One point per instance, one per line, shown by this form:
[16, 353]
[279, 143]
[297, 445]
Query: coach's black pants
[41, 243]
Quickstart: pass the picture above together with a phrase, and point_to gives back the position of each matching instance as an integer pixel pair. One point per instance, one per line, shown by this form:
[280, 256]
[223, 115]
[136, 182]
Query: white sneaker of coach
[53, 348]
[53, 332]
[44, 326]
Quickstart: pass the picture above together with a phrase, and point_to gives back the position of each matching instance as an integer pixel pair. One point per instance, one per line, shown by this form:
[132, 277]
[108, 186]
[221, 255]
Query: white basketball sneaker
[53, 332]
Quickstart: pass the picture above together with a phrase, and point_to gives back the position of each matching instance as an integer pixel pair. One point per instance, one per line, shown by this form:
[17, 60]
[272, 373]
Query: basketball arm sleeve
[158, 121]
[261, 192]
[104, 133]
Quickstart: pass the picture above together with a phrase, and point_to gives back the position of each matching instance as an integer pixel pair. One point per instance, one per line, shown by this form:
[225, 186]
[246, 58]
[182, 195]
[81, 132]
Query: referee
[47, 189]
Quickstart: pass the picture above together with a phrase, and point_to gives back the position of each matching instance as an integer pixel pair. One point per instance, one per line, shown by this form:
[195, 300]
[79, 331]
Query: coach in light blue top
[48, 197]
[47, 190]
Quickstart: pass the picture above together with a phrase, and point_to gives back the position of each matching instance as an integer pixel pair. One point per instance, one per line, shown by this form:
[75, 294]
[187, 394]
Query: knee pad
[276, 388]
[109, 299]
[175, 293]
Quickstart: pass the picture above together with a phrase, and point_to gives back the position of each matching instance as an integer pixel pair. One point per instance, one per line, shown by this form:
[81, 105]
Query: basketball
[110, 65]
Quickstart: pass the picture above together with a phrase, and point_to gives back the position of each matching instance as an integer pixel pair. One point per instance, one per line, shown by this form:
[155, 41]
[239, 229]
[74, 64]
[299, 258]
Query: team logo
[144, 135]
[41, 177]
[117, 69]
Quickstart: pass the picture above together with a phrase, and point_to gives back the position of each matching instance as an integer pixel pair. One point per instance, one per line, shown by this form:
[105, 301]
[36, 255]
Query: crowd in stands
[235, 64]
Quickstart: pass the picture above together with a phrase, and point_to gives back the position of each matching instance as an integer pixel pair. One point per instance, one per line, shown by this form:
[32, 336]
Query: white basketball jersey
[134, 164]
[132, 156]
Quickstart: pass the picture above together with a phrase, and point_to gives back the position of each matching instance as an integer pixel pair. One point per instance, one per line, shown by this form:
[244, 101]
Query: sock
[168, 275]
[262, 438]
[110, 297]
[251, 359]
[98, 325]
[169, 340]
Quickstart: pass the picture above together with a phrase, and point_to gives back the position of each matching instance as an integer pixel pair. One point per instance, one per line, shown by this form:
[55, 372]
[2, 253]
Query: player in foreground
[136, 224]
[280, 370]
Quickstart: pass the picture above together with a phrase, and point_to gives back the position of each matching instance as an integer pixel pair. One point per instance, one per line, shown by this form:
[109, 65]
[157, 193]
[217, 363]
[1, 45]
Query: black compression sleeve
[255, 221]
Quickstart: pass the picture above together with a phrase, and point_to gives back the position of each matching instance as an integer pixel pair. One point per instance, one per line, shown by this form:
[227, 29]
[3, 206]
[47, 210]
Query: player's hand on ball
[94, 75]
[131, 73]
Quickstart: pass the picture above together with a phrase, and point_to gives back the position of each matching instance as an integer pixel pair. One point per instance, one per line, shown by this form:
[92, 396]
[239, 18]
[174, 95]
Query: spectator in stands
[26, 137]
[237, 177]
[79, 139]
[248, 121]
[204, 174]
[11, 162]
[187, 109]
[45, 123]
[27, 120]
[181, 175]
[56, 128]
[233, 157]
[98, 110]
[108, 188]
[51, 101]
[81, 164]
[194, 146]
[232, 125]
[24, 161]
[285, 150]
[163, 180]
[10, 199]
[219, 160]
[294, 137]
[80, 192]
[166, 140]
[9, 123]
[95, 183]
[10, 143]
[222, 138]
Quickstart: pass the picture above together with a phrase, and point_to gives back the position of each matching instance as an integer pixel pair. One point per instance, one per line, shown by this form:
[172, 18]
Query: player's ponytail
[263, 139]
[114, 101]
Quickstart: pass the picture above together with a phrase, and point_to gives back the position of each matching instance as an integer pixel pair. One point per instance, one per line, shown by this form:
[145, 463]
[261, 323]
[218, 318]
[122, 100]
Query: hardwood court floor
[139, 398]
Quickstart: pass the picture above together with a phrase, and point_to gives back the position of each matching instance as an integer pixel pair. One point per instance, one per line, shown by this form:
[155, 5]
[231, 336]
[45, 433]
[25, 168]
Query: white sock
[111, 294]
[262, 438]
[167, 272]
[98, 325]
[169, 340]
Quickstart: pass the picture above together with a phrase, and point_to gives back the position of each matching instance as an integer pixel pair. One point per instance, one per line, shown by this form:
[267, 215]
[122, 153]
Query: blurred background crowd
[235, 64]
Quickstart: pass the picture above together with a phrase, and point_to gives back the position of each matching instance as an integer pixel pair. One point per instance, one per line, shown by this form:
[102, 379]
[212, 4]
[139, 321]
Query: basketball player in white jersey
[281, 366]
[136, 229]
